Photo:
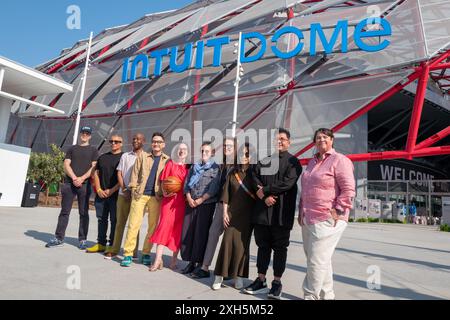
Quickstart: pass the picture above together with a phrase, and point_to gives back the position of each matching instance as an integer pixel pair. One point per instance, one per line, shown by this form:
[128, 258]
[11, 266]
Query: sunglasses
[157, 142]
[115, 142]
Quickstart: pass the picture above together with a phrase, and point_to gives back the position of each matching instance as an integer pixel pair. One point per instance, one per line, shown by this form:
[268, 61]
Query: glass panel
[52, 132]
[418, 186]
[397, 186]
[377, 186]
[441, 186]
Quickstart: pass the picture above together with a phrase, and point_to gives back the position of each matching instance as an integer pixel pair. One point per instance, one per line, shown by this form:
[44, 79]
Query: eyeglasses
[115, 142]
[157, 142]
[206, 151]
[282, 140]
[228, 146]
[86, 134]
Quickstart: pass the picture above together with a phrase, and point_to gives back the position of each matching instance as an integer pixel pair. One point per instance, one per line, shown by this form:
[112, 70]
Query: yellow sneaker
[98, 248]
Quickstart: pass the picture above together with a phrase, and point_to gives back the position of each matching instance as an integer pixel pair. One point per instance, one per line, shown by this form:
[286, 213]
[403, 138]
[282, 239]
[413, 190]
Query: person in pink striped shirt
[328, 191]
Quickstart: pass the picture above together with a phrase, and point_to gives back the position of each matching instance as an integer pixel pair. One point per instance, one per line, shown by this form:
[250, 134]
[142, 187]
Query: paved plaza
[413, 263]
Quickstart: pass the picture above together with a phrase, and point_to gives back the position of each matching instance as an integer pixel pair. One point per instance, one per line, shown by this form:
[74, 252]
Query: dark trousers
[194, 238]
[106, 210]
[69, 192]
[268, 239]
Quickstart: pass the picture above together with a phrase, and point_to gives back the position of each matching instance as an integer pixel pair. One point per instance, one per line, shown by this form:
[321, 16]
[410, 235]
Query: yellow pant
[137, 213]
[123, 212]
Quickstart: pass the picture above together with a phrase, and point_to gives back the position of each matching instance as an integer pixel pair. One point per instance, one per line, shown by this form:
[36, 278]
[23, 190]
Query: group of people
[234, 199]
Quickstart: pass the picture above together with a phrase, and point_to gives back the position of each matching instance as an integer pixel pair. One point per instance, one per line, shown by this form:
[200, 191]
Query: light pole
[83, 86]
[239, 74]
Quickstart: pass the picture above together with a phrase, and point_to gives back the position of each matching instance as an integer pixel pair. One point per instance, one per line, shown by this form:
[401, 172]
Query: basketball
[172, 185]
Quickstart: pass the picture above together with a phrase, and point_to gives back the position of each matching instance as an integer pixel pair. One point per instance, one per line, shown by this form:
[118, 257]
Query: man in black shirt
[78, 165]
[107, 187]
[274, 213]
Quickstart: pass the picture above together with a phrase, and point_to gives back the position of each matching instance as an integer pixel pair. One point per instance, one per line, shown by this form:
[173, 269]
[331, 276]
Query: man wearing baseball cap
[78, 165]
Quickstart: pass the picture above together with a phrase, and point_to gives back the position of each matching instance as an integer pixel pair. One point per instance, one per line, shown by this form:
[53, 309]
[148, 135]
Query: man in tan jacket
[146, 193]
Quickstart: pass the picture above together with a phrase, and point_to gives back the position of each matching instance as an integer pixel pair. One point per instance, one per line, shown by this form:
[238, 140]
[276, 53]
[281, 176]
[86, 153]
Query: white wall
[13, 173]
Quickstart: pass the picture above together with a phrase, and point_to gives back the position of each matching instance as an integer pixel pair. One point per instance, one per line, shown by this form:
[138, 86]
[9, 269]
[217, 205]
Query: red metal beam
[433, 139]
[440, 66]
[416, 116]
[389, 155]
[388, 94]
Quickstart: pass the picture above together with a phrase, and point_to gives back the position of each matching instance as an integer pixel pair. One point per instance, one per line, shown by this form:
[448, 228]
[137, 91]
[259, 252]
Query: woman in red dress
[168, 232]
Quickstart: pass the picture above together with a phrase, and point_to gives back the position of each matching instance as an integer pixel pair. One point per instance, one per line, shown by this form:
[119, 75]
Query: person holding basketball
[173, 206]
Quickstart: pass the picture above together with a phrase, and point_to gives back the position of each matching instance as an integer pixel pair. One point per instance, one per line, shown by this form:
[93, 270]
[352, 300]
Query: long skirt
[194, 240]
[234, 257]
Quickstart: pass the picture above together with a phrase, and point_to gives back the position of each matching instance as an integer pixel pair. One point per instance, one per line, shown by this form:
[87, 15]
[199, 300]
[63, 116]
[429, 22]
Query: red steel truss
[413, 150]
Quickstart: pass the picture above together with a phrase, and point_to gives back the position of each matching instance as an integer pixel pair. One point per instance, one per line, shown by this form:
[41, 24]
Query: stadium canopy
[302, 93]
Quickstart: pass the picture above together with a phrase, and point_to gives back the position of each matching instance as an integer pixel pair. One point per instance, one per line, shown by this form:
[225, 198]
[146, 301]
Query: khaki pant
[123, 212]
[320, 241]
[137, 213]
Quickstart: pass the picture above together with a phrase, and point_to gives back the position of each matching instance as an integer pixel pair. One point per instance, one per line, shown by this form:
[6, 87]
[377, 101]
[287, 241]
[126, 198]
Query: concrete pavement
[413, 263]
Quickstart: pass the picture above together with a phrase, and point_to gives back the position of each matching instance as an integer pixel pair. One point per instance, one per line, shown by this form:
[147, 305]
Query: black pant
[270, 238]
[68, 192]
[106, 210]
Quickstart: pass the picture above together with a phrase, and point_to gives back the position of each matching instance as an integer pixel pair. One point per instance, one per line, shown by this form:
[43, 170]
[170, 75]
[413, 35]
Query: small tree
[47, 168]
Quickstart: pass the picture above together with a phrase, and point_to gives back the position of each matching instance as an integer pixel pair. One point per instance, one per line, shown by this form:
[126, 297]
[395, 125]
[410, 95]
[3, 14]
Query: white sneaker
[239, 283]
[217, 283]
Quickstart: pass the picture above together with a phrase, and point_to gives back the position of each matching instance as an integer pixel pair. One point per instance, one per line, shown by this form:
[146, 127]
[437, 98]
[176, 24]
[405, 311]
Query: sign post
[239, 73]
[83, 87]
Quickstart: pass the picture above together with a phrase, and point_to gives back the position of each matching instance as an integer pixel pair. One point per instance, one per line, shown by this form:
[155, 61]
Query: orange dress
[168, 232]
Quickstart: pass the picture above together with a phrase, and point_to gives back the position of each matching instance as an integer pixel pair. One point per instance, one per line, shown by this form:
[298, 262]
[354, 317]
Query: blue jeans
[106, 210]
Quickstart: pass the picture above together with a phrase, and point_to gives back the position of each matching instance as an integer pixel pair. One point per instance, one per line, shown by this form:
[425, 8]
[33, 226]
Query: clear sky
[34, 31]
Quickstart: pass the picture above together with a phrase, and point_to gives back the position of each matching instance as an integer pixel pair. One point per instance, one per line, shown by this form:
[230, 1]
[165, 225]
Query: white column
[5, 111]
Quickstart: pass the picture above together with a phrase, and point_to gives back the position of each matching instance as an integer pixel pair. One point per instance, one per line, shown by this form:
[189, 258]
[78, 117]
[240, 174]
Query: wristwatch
[340, 212]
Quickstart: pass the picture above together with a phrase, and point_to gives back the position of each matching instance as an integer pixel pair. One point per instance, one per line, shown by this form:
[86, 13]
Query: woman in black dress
[238, 200]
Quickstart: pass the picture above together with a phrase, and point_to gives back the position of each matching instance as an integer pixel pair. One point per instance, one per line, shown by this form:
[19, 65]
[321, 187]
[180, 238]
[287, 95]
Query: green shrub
[47, 168]
[362, 220]
[445, 228]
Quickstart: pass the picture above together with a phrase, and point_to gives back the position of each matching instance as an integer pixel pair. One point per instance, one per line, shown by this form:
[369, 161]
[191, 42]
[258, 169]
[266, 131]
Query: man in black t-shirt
[107, 188]
[78, 165]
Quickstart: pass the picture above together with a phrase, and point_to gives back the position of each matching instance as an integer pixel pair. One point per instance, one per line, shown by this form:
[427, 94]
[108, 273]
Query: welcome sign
[317, 35]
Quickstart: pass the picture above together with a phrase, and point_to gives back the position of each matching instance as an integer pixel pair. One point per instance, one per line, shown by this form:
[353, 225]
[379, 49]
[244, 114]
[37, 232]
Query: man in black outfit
[274, 213]
[78, 165]
[107, 187]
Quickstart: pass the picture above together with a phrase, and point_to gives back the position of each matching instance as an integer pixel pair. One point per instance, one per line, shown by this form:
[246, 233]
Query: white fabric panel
[52, 131]
[147, 30]
[305, 110]
[265, 7]
[436, 22]
[203, 17]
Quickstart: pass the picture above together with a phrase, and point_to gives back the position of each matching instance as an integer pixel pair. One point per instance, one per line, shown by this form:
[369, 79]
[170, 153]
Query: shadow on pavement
[46, 237]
